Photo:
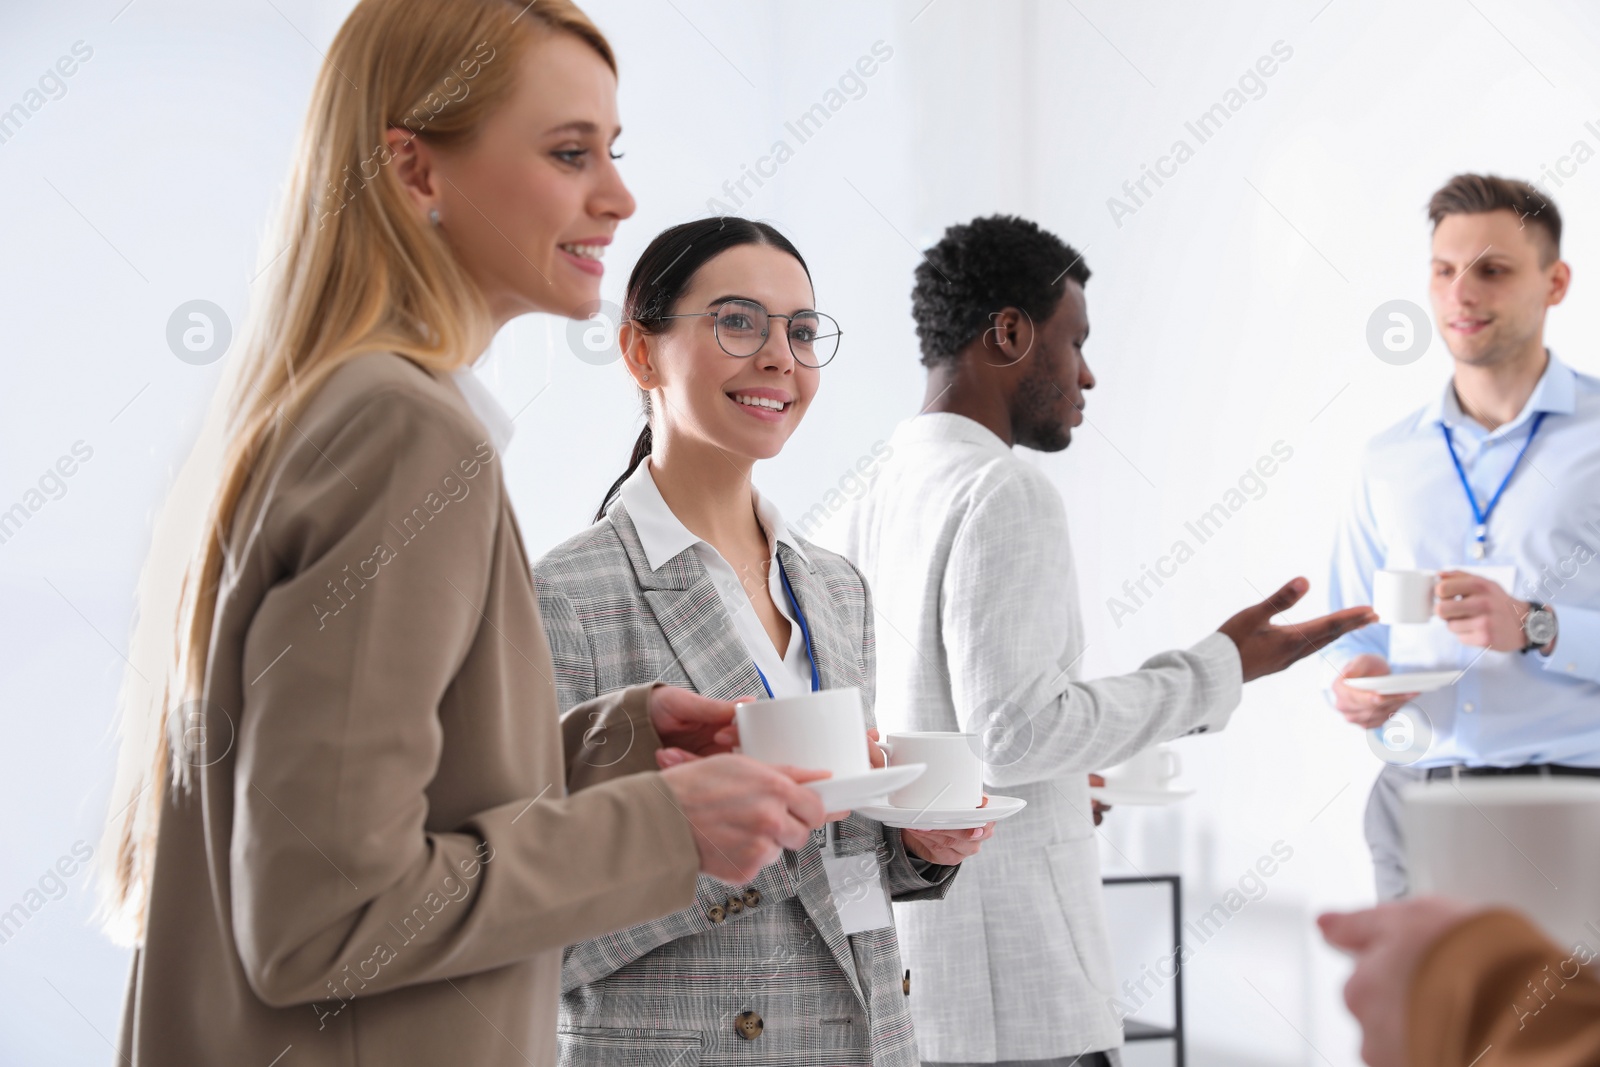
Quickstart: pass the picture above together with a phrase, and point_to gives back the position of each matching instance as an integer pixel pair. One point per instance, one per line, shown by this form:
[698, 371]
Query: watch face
[1540, 627]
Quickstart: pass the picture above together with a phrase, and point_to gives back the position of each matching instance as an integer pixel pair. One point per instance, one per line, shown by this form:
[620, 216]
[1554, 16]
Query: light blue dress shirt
[1409, 511]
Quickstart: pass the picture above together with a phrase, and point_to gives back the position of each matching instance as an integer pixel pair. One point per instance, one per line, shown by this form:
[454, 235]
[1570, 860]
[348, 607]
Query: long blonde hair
[351, 269]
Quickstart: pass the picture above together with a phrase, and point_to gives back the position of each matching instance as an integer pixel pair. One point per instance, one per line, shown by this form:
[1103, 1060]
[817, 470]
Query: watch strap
[1528, 642]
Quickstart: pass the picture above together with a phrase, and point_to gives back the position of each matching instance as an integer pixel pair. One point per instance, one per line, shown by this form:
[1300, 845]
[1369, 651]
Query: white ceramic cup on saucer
[1403, 596]
[1523, 842]
[1150, 771]
[954, 778]
[821, 731]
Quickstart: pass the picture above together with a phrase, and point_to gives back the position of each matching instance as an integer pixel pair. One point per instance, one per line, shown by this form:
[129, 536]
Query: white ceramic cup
[1403, 596]
[823, 731]
[1152, 769]
[1526, 843]
[954, 778]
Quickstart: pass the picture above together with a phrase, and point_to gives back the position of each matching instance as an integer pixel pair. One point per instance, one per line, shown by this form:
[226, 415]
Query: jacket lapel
[690, 612]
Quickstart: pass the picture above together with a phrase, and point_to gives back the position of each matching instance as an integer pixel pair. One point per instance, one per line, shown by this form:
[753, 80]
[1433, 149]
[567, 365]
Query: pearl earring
[433, 216]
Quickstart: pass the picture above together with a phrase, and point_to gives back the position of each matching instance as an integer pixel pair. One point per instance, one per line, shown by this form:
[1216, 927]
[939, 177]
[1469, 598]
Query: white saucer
[848, 794]
[944, 818]
[1415, 682]
[1114, 795]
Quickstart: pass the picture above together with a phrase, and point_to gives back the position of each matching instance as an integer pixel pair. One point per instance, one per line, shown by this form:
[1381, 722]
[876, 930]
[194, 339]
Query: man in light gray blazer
[965, 548]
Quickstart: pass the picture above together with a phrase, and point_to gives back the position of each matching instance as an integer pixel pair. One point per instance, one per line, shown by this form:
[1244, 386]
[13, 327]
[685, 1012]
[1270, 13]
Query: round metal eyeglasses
[742, 326]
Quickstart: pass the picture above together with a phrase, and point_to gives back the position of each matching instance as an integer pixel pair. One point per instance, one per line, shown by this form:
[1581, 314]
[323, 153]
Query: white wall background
[1229, 313]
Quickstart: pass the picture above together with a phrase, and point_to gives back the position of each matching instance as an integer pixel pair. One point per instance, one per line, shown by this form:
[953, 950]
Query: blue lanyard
[1482, 514]
[805, 631]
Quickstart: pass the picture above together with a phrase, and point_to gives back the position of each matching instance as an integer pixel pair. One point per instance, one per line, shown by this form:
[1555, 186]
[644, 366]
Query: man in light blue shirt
[1495, 486]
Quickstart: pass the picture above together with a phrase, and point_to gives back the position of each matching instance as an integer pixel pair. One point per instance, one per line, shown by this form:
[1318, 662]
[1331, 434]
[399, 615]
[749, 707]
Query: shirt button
[735, 905]
[1467, 706]
[716, 913]
[752, 897]
[748, 1025]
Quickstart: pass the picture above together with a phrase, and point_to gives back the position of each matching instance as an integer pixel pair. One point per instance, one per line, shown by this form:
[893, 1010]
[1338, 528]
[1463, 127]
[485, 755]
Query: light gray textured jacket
[967, 549]
[677, 990]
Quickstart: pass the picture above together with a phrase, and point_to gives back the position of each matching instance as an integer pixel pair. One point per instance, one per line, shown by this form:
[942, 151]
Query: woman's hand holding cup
[694, 723]
[743, 812]
[878, 757]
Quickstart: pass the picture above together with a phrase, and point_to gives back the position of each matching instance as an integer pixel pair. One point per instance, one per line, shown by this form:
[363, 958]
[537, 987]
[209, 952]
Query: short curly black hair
[981, 266]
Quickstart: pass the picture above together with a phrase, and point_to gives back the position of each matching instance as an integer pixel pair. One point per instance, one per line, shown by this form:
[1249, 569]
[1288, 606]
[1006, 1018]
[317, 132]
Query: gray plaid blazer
[767, 959]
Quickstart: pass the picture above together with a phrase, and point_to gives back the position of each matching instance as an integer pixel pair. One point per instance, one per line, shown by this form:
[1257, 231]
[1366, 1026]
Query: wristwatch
[1539, 625]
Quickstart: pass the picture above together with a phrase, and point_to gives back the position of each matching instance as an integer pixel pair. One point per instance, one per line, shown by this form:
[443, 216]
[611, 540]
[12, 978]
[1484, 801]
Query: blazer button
[748, 1025]
[735, 905]
[716, 913]
[752, 897]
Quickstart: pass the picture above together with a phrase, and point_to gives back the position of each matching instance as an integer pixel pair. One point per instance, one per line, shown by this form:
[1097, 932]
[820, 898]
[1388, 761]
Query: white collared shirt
[664, 537]
[485, 406]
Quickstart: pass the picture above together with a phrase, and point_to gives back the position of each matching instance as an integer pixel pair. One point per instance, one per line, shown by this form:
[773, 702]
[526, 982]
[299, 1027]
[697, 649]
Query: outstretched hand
[1267, 649]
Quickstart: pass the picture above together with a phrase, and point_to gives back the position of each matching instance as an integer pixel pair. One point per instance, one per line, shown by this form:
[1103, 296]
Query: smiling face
[531, 201]
[745, 408]
[1489, 287]
[1049, 401]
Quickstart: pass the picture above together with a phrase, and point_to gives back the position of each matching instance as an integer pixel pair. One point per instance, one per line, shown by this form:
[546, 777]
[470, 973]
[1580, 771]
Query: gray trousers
[1384, 835]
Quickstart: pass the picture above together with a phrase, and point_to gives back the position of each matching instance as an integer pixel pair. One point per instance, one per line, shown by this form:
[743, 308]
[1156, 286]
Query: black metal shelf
[1138, 1030]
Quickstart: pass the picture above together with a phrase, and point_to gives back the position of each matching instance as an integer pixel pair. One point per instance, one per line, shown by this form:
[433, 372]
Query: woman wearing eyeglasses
[691, 576]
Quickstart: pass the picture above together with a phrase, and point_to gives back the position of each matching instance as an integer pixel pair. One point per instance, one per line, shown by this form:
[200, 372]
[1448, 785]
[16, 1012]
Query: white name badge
[858, 892]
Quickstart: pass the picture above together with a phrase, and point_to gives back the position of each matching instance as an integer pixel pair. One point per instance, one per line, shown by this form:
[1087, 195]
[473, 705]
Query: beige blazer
[379, 861]
[1496, 992]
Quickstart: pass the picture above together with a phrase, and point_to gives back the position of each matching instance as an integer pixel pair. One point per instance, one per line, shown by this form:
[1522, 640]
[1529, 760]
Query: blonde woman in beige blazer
[343, 832]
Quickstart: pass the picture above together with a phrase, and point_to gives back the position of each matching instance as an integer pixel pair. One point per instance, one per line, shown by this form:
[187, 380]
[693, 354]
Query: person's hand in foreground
[1387, 942]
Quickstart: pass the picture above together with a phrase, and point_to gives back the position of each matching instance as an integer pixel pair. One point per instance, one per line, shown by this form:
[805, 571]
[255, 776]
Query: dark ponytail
[663, 272]
[641, 452]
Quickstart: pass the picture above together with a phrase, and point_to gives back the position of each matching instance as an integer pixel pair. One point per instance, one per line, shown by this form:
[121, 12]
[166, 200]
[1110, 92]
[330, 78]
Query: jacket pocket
[603, 1046]
[1075, 869]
